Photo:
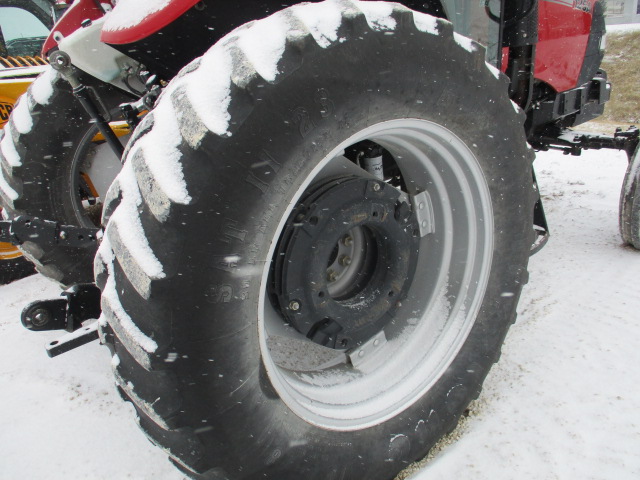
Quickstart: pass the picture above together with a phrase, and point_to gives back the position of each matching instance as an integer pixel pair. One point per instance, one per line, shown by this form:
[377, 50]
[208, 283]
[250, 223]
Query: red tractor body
[564, 29]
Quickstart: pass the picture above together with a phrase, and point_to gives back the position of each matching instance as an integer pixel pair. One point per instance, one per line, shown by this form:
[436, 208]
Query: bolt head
[294, 305]
[376, 187]
[345, 260]
[40, 318]
[332, 276]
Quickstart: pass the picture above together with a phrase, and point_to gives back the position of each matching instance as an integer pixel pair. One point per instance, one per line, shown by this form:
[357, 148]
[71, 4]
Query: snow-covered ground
[561, 404]
[623, 28]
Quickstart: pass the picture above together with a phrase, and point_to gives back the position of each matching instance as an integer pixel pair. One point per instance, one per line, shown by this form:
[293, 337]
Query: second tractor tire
[41, 152]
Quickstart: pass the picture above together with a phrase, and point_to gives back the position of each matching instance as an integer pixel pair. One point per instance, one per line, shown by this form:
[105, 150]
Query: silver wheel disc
[362, 387]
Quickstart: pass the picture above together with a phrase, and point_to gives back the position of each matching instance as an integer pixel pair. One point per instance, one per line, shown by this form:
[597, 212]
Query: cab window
[21, 33]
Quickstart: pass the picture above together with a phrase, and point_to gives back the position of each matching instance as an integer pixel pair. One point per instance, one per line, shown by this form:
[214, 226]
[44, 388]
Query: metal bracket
[46, 233]
[45, 315]
[360, 355]
[423, 207]
[73, 340]
[82, 303]
[540, 225]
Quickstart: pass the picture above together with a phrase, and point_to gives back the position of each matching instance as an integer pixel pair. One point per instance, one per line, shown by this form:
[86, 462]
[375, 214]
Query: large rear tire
[250, 345]
[43, 154]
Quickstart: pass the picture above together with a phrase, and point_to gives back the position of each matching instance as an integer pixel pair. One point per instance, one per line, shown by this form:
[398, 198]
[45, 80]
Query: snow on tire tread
[200, 99]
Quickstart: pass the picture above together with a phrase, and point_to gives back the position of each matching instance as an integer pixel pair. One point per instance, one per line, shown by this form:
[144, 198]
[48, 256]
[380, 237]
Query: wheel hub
[345, 261]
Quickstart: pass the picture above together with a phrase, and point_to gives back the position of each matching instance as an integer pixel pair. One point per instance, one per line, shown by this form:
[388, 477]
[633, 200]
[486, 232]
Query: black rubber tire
[14, 269]
[40, 185]
[630, 203]
[182, 323]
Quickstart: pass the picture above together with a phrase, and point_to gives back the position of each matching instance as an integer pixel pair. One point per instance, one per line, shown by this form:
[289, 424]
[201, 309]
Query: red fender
[149, 25]
[71, 21]
[564, 28]
[563, 32]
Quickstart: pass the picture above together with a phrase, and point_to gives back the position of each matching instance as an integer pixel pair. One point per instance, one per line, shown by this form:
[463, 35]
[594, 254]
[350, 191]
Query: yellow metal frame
[11, 90]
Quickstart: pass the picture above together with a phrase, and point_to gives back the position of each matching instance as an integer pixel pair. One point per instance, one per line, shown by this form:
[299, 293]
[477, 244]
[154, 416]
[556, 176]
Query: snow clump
[21, 116]
[426, 23]
[128, 13]
[42, 88]
[465, 42]
[379, 15]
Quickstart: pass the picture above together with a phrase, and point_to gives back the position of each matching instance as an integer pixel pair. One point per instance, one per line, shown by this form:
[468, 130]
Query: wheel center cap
[345, 260]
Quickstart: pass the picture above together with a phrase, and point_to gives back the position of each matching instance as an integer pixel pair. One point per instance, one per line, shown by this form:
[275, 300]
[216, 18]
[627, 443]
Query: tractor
[303, 228]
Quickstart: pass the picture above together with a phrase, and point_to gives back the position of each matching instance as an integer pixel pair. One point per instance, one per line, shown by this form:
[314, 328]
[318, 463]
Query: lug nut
[376, 187]
[345, 260]
[332, 276]
[347, 241]
[294, 305]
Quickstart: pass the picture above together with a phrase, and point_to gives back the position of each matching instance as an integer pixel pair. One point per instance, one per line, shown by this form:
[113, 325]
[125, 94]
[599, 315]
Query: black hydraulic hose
[61, 62]
[82, 94]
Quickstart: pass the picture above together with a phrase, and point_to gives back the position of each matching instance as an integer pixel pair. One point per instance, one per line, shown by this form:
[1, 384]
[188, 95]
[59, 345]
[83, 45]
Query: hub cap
[363, 243]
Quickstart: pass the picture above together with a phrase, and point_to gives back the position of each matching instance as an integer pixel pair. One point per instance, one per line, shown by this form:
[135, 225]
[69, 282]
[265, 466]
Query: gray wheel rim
[400, 366]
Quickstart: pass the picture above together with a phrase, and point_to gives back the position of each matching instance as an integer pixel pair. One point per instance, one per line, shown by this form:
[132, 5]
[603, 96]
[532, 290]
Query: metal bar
[81, 92]
[61, 62]
[573, 142]
[46, 233]
[73, 340]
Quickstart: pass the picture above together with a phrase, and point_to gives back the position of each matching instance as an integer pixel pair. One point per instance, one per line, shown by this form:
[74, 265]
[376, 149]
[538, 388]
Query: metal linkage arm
[46, 233]
[573, 142]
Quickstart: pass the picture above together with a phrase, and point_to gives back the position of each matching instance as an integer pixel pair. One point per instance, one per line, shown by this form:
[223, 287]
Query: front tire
[209, 275]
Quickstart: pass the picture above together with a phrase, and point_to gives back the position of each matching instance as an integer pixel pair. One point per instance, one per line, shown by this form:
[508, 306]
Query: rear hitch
[81, 303]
